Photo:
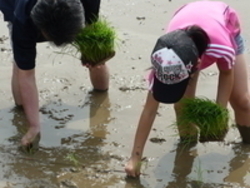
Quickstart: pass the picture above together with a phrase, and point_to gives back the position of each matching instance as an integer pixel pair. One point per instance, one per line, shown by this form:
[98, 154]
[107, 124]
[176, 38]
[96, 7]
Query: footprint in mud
[134, 88]
[157, 140]
[40, 183]
[68, 184]
[62, 116]
[3, 39]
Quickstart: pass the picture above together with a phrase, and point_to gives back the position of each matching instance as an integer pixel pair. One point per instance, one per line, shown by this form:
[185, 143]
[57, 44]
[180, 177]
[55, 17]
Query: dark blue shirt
[25, 35]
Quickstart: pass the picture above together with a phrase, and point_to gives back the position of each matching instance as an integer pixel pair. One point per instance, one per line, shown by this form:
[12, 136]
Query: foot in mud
[31, 139]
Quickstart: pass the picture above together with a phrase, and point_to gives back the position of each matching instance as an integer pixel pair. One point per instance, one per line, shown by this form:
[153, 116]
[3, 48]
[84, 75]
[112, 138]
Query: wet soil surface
[87, 137]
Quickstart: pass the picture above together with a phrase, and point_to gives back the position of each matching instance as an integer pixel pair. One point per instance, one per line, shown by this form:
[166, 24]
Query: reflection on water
[185, 155]
[77, 156]
[134, 182]
[182, 166]
[239, 165]
[99, 114]
[52, 166]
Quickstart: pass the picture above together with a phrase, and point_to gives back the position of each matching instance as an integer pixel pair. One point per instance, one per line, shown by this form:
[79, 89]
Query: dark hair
[59, 20]
[200, 38]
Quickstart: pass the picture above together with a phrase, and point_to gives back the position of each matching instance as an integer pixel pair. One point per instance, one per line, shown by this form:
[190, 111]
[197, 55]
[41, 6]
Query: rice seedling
[143, 164]
[33, 147]
[200, 180]
[96, 42]
[210, 118]
[73, 158]
[188, 134]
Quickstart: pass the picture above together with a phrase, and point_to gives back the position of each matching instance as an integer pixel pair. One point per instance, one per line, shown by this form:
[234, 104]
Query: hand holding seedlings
[96, 43]
[210, 118]
[100, 63]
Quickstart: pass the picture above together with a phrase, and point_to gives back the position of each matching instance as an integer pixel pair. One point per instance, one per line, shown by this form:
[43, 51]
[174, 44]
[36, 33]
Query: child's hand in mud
[133, 167]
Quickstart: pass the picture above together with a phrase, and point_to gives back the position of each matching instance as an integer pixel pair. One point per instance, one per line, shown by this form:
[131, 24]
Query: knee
[241, 103]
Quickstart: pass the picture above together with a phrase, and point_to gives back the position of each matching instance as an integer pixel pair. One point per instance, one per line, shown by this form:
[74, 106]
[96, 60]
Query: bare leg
[99, 77]
[240, 98]
[190, 93]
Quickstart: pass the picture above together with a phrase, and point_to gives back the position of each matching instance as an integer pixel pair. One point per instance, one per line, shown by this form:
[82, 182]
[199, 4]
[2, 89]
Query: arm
[99, 77]
[146, 120]
[225, 86]
[29, 98]
[23, 78]
[99, 74]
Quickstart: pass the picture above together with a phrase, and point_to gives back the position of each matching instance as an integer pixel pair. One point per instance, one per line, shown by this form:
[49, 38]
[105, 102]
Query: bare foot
[32, 135]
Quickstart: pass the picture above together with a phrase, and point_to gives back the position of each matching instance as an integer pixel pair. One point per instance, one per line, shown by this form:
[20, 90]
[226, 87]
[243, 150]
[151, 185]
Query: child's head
[174, 59]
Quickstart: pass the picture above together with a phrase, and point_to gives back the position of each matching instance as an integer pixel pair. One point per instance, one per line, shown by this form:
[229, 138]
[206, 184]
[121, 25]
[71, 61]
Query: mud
[87, 137]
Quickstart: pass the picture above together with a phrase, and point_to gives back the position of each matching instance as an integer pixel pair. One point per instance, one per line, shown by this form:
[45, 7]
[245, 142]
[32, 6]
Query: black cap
[173, 59]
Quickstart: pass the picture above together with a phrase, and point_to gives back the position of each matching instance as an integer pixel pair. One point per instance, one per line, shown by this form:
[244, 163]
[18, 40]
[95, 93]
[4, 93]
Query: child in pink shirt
[199, 34]
[221, 24]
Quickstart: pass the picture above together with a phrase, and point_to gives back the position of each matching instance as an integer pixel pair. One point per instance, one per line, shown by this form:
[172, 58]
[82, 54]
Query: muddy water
[87, 137]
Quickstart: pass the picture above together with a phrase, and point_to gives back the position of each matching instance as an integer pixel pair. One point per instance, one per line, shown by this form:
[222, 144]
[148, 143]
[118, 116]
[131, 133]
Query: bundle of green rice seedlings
[210, 118]
[96, 42]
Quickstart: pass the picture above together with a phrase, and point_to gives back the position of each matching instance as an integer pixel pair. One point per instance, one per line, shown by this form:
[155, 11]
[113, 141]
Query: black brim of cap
[169, 93]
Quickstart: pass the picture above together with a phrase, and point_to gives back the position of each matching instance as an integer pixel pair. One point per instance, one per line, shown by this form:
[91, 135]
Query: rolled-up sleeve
[24, 45]
[91, 8]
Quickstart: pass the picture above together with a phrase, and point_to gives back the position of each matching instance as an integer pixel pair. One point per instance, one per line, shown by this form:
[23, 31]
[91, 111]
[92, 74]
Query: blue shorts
[240, 45]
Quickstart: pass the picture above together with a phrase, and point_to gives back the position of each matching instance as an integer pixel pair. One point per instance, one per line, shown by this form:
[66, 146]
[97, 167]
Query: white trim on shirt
[222, 51]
